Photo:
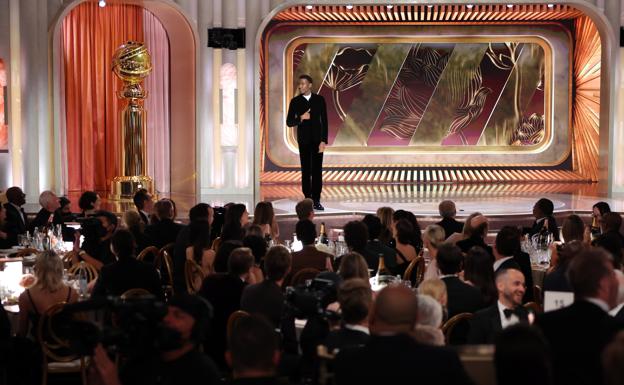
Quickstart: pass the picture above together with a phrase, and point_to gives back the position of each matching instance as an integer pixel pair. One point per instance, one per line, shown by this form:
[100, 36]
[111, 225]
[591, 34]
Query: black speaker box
[228, 38]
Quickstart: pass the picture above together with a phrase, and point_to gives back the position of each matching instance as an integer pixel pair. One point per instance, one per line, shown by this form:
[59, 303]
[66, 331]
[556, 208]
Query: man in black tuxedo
[578, 333]
[392, 355]
[544, 220]
[165, 231]
[46, 216]
[462, 298]
[448, 211]
[308, 113]
[509, 255]
[507, 311]
[16, 221]
[144, 204]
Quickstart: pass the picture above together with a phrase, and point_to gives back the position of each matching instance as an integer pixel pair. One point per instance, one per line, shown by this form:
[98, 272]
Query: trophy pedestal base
[124, 187]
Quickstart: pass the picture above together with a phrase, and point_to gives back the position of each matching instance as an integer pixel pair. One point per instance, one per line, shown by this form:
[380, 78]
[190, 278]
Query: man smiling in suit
[308, 113]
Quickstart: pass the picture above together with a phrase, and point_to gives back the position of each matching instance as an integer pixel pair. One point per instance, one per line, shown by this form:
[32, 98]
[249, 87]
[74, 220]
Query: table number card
[554, 300]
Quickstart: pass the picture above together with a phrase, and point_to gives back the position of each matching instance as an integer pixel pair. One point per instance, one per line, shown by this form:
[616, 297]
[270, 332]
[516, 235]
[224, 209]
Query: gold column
[132, 63]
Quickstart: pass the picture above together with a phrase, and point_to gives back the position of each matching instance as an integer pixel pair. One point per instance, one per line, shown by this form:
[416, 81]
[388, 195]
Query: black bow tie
[509, 312]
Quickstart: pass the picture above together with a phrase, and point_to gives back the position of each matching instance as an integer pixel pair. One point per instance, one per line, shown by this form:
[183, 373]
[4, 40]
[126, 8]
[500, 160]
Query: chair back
[415, 271]
[535, 307]
[164, 266]
[149, 254]
[538, 295]
[233, 319]
[303, 275]
[216, 244]
[193, 275]
[450, 325]
[137, 292]
[24, 253]
[88, 268]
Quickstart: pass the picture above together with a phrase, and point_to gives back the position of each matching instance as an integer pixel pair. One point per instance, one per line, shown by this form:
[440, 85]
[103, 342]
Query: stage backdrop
[426, 95]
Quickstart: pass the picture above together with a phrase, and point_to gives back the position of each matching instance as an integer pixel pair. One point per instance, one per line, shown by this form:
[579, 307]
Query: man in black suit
[16, 221]
[356, 238]
[165, 231]
[544, 220]
[509, 255]
[578, 333]
[144, 204]
[392, 356]
[448, 223]
[462, 298]
[49, 204]
[507, 311]
[355, 298]
[126, 273]
[478, 231]
[611, 239]
[224, 292]
[308, 112]
[309, 256]
[374, 245]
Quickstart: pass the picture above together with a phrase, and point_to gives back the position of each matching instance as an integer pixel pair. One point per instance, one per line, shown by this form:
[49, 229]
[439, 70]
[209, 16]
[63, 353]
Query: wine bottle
[323, 235]
[381, 267]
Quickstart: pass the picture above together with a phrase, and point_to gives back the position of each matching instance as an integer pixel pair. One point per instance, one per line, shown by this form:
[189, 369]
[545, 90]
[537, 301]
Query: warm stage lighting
[509, 5]
[309, 7]
[469, 6]
[349, 6]
[430, 6]
[389, 6]
[551, 5]
[102, 3]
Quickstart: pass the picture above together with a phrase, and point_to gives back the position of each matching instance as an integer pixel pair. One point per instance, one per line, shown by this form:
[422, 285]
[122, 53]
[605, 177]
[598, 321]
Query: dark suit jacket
[182, 241]
[308, 257]
[375, 247]
[450, 226]
[536, 227]
[265, 298]
[521, 261]
[620, 315]
[14, 223]
[314, 130]
[345, 338]
[125, 274]
[42, 218]
[486, 324]
[557, 280]
[163, 232]
[399, 359]
[462, 298]
[144, 218]
[577, 335]
[469, 243]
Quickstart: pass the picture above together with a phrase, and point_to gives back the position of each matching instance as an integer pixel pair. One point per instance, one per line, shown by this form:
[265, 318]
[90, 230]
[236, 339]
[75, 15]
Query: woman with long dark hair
[479, 273]
[236, 217]
[199, 250]
[406, 252]
[264, 216]
[416, 236]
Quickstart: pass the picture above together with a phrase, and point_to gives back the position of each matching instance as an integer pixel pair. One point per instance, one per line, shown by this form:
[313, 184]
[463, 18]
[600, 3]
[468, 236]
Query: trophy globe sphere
[132, 62]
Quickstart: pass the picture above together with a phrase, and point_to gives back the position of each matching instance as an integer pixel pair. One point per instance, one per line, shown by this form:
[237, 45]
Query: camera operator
[179, 364]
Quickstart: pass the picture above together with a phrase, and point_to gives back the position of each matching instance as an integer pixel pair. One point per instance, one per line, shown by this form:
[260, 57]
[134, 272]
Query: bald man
[392, 355]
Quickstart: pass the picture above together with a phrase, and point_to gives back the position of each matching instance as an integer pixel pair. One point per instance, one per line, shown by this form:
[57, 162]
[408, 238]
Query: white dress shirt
[308, 96]
[359, 328]
[505, 322]
[500, 262]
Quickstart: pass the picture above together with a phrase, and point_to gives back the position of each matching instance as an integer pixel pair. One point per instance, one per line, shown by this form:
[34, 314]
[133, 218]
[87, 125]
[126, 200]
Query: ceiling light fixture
[469, 6]
[551, 5]
[309, 7]
[389, 6]
[509, 5]
[349, 6]
[102, 3]
[430, 6]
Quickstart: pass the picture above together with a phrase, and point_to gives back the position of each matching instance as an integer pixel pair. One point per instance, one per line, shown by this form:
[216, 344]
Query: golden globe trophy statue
[132, 63]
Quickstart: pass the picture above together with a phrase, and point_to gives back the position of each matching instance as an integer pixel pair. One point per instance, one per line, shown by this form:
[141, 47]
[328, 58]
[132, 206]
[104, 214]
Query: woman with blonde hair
[48, 290]
[264, 216]
[466, 233]
[435, 288]
[385, 215]
[432, 238]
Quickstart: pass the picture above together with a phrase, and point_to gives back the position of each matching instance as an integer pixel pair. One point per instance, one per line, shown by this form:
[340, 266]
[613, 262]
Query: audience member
[507, 311]
[165, 230]
[578, 333]
[573, 229]
[97, 231]
[416, 240]
[478, 272]
[267, 297]
[544, 220]
[466, 231]
[462, 298]
[136, 227]
[385, 216]
[598, 210]
[258, 246]
[309, 256]
[264, 216]
[49, 203]
[16, 221]
[253, 352]
[236, 218]
[430, 316]
[508, 254]
[436, 289]
[521, 357]
[611, 239]
[392, 356]
[48, 290]
[4, 236]
[406, 252]
[375, 246]
[448, 223]
[144, 204]
[618, 311]
[199, 251]
[126, 273]
[355, 298]
[356, 237]
[223, 255]
[433, 237]
[181, 363]
[353, 265]
[64, 210]
[478, 230]
[89, 204]
[305, 209]
[557, 278]
[224, 292]
[612, 358]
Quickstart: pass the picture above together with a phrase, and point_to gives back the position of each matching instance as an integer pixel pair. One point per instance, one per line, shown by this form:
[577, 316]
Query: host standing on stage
[307, 111]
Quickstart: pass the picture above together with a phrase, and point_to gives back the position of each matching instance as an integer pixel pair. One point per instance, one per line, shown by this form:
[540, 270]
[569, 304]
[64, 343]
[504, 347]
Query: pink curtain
[157, 102]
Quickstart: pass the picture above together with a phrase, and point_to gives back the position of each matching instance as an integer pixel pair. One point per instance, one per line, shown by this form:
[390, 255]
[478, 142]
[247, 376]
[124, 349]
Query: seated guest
[264, 216]
[16, 221]
[89, 204]
[199, 250]
[258, 246]
[135, 225]
[309, 256]
[572, 229]
[224, 292]
[48, 290]
[355, 298]
[223, 255]
[432, 238]
[522, 357]
[478, 231]
[267, 297]
[611, 239]
[618, 311]
[507, 311]
[165, 231]
[392, 356]
[178, 363]
[144, 204]
[557, 278]
[45, 217]
[430, 316]
[448, 223]
[416, 238]
[544, 220]
[253, 352]
[508, 254]
[66, 216]
[462, 298]
[4, 237]
[305, 209]
[598, 210]
[356, 237]
[466, 231]
[97, 232]
[478, 272]
[385, 216]
[126, 273]
[577, 334]
[436, 289]
[236, 218]
[406, 252]
[353, 265]
[375, 246]
[612, 358]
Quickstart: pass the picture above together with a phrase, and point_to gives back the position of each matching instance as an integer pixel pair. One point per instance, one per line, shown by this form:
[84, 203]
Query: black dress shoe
[318, 206]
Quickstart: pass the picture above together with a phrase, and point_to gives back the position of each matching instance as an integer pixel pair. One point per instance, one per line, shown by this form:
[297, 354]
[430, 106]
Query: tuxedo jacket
[125, 274]
[536, 227]
[14, 223]
[462, 297]
[345, 338]
[311, 131]
[42, 218]
[486, 324]
[163, 232]
[467, 244]
[521, 261]
[577, 335]
[265, 298]
[450, 226]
